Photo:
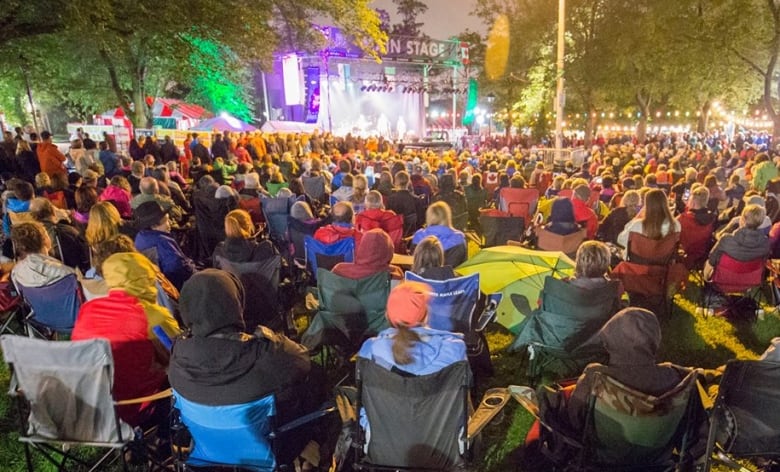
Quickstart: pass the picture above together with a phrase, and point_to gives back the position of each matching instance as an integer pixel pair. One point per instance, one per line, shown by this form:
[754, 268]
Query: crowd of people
[149, 234]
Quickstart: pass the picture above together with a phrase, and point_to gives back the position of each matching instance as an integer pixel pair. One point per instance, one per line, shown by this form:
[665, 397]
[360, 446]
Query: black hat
[149, 214]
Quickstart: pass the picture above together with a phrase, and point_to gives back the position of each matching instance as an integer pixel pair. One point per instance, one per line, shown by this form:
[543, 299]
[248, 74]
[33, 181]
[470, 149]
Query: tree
[141, 46]
[409, 10]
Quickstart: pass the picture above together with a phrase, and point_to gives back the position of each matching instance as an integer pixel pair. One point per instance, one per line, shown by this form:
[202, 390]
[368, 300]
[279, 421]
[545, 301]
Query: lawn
[688, 339]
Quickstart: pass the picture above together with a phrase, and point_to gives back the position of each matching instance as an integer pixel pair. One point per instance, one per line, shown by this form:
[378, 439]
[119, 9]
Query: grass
[688, 339]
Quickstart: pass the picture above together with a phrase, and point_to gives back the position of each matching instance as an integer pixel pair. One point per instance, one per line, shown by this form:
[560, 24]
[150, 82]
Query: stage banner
[425, 50]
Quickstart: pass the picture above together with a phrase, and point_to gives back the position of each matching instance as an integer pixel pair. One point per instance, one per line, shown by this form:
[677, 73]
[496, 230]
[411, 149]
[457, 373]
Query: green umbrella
[518, 273]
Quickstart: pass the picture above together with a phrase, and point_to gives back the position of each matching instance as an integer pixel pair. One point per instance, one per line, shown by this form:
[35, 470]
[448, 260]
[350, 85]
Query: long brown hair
[403, 341]
[656, 214]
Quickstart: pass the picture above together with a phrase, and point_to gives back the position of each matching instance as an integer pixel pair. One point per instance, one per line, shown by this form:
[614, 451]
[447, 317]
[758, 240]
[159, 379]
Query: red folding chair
[518, 201]
[731, 276]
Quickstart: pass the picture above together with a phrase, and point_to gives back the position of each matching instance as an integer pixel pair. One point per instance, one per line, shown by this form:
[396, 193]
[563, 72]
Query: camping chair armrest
[324, 410]
[494, 400]
[167, 393]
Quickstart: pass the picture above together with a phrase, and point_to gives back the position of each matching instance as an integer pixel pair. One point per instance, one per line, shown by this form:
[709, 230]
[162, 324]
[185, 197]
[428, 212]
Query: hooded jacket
[220, 364]
[372, 256]
[744, 244]
[335, 232]
[173, 263]
[126, 317]
[137, 276]
[631, 338]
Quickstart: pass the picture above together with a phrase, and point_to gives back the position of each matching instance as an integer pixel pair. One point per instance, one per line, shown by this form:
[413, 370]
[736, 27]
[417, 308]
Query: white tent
[288, 127]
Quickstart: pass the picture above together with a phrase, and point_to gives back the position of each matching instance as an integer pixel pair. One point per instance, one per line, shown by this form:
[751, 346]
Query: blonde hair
[42, 179]
[438, 213]
[593, 259]
[238, 224]
[103, 223]
[359, 188]
[700, 196]
[753, 215]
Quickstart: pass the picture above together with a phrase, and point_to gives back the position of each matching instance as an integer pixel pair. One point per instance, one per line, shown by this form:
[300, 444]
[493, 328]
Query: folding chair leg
[28, 458]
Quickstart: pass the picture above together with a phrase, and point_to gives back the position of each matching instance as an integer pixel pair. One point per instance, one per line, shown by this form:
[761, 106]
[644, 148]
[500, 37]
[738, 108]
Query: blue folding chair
[276, 210]
[325, 256]
[240, 435]
[53, 307]
[452, 303]
[229, 435]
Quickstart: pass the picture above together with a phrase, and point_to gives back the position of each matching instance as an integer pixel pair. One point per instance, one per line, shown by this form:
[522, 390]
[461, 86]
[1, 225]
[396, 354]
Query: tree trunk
[644, 108]
[508, 128]
[704, 117]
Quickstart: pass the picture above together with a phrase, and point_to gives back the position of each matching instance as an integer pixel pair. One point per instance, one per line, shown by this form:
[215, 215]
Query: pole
[265, 97]
[559, 93]
[454, 103]
[30, 97]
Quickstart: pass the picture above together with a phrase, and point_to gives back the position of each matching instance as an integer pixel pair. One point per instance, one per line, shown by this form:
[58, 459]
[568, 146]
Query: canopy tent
[223, 122]
[518, 273]
[288, 127]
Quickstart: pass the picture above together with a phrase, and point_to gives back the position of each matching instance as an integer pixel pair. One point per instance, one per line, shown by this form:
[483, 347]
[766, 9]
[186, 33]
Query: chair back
[261, 283]
[297, 231]
[349, 311]
[274, 187]
[732, 276]
[498, 227]
[518, 201]
[747, 410]
[417, 422]
[68, 387]
[229, 434]
[569, 315]
[568, 244]
[643, 250]
[696, 240]
[276, 211]
[56, 305]
[628, 427]
[452, 303]
[314, 187]
[325, 256]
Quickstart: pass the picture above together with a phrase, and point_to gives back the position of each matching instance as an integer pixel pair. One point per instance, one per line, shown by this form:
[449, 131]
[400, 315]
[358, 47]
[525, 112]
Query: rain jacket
[119, 198]
[38, 270]
[335, 232]
[372, 256]
[50, 158]
[447, 236]
[221, 364]
[584, 215]
[125, 318]
[436, 350]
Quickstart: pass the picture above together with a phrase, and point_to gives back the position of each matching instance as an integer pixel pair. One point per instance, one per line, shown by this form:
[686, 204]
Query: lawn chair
[64, 388]
[239, 436]
[350, 310]
[559, 335]
[518, 201]
[274, 187]
[744, 422]
[325, 256]
[11, 307]
[261, 288]
[498, 227]
[628, 430]
[452, 307]
[276, 212]
[416, 422]
[651, 271]
[696, 241]
[210, 222]
[315, 188]
[53, 307]
[741, 278]
[568, 244]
